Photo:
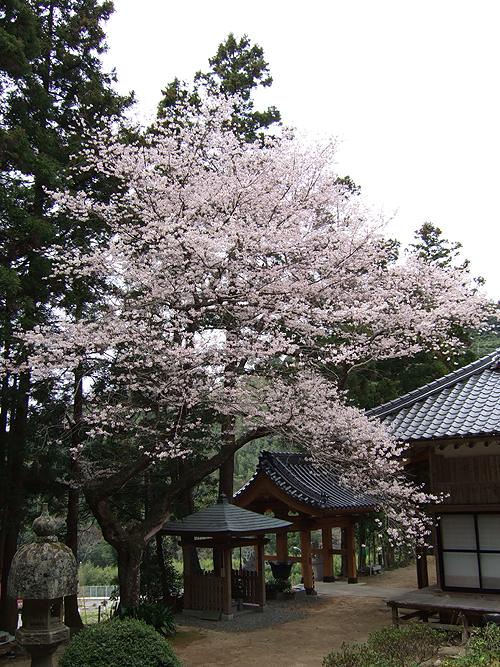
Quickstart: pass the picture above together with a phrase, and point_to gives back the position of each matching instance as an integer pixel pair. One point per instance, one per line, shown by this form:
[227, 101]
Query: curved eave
[261, 485]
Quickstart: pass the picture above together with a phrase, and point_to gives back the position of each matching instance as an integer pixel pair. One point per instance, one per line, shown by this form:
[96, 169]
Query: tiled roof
[308, 482]
[465, 403]
[224, 519]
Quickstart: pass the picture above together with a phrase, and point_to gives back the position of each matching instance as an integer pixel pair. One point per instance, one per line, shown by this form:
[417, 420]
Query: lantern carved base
[42, 645]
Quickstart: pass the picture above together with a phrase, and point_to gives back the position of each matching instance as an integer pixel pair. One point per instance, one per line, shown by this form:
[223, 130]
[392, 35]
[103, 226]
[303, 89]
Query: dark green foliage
[431, 247]
[246, 459]
[406, 646]
[94, 575]
[483, 647]
[158, 615]
[99, 554]
[119, 643]
[488, 341]
[278, 586]
[155, 578]
[383, 381]
[350, 656]
[51, 84]
[237, 69]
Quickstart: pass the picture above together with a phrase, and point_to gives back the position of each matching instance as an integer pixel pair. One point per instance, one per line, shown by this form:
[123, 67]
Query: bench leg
[395, 616]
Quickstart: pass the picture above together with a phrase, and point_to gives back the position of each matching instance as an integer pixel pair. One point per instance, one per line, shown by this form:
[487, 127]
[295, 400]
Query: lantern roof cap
[45, 569]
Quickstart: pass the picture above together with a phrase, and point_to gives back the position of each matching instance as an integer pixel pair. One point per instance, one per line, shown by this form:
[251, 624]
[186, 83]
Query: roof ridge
[436, 385]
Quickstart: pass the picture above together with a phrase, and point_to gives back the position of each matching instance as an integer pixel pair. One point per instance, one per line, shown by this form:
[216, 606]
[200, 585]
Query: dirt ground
[302, 643]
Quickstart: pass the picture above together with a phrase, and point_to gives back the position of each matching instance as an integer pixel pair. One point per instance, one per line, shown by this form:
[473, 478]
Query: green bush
[159, 615]
[278, 586]
[119, 643]
[483, 648]
[406, 646]
[350, 656]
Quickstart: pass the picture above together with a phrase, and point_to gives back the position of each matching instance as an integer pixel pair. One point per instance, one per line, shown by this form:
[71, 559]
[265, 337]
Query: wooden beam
[328, 568]
[422, 572]
[290, 559]
[233, 543]
[227, 612]
[263, 494]
[352, 573]
[307, 571]
[282, 546]
[262, 576]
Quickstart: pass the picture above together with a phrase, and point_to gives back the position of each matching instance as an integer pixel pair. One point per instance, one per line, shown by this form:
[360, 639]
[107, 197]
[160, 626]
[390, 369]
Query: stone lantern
[42, 574]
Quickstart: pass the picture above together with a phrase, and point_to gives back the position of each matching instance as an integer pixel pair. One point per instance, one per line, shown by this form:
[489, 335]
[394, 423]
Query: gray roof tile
[309, 482]
[224, 519]
[465, 403]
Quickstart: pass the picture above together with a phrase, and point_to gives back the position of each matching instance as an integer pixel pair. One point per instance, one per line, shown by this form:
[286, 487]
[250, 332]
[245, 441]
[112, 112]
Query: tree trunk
[129, 575]
[16, 445]
[8, 606]
[165, 588]
[226, 472]
[71, 614]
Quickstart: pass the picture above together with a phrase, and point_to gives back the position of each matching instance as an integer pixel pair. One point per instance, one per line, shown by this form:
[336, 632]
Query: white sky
[411, 88]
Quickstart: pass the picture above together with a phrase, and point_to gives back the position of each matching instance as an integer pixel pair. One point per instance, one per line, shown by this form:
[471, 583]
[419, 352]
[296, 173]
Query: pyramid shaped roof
[225, 519]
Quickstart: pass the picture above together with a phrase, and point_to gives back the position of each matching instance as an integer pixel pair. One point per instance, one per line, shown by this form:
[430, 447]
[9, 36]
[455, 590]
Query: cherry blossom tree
[232, 277]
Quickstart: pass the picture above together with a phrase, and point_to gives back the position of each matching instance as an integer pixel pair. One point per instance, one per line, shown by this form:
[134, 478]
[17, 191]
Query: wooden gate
[248, 583]
[203, 591]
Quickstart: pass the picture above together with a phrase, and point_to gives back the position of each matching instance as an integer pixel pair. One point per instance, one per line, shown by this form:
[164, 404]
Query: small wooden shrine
[223, 527]
[310, 497]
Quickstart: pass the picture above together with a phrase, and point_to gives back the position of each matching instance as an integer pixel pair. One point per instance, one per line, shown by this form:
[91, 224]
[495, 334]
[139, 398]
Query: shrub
[119, 643]
[406, 646]
[350, 656]
[278, 586]
[483, 647]
[159, 615]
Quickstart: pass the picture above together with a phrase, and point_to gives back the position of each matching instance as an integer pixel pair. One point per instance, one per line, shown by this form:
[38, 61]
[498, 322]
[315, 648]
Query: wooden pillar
[186, 557]
[352, 573]
[395, 615]
[260, 564]
[422, 572]
[282, 546]
[307, 571]
[328, 569]
[227, 612]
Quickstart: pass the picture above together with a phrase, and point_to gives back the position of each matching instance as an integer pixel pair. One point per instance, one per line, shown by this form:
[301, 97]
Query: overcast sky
[410, 88]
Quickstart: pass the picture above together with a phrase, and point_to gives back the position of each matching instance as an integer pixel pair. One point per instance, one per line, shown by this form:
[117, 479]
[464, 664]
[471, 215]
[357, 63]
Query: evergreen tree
[432, 247]
[236, 70]
[51, 82]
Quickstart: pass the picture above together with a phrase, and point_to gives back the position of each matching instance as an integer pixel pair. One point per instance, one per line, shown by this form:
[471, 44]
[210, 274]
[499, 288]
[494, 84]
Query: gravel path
[277, 612]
